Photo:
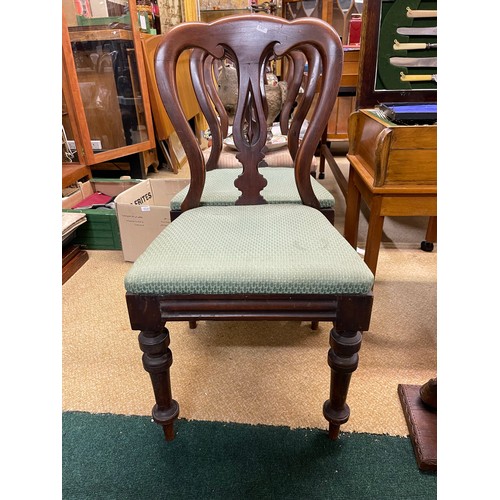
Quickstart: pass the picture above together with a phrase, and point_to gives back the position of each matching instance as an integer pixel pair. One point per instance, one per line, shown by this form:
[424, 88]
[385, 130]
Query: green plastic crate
[101, 231]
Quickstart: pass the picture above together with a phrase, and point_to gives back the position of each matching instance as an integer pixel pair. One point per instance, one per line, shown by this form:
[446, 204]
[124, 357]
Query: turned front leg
[343, 360]
[157, 359]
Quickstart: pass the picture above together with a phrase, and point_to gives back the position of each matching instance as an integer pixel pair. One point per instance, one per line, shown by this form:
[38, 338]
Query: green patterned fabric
[281, 188]
[252, 249]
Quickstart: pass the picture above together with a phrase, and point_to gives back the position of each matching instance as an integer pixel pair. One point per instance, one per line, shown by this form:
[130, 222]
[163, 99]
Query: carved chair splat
[219, 186]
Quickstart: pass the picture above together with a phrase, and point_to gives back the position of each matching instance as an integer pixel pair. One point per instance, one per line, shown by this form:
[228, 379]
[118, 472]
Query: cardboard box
[143, 212]
[101, 231]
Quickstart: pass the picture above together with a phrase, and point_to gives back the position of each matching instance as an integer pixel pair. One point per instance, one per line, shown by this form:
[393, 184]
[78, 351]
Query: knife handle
[421, 13]
[415, 78]
[408, 46]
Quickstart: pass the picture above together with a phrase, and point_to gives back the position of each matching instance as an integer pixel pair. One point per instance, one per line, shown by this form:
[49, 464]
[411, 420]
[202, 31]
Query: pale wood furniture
[209, 15]
[231, 263]
[163, 126]
[393, 168]
[73, 172]
[76, 169]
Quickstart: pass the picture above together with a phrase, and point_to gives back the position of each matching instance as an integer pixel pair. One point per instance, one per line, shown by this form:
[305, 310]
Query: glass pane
[104, 54]
[69, 153]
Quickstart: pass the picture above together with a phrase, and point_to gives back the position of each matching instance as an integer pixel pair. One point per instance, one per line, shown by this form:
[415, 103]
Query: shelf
[90, 35]
[72, 173]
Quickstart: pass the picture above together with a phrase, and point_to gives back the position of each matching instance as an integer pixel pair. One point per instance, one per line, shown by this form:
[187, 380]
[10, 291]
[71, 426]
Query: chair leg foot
[333, 431]
[192, 325]
[336, 417]
[343, 361]
[166, 418]
[157, 360]
[168, 431]
[314, 325]
[427, 246]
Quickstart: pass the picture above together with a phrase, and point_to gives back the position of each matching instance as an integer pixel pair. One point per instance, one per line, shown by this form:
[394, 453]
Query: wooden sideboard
[393, 168]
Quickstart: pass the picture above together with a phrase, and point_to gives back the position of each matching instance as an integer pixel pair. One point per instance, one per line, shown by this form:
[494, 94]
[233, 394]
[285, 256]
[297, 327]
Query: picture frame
[177, 154]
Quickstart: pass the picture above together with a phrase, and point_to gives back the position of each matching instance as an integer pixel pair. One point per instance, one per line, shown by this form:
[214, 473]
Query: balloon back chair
[253, 260]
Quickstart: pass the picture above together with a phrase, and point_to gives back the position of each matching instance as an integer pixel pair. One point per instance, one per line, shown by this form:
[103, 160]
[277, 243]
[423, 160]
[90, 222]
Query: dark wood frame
[367, 95]
[350, 315]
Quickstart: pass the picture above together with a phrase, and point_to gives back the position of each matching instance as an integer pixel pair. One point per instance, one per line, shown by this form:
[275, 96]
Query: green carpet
[125, 457]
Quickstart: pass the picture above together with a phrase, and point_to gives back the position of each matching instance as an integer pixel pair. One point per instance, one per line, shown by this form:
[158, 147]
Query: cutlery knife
[418, 78]
[420, 13]
[414, 62]
[413, 46]
[417, 31]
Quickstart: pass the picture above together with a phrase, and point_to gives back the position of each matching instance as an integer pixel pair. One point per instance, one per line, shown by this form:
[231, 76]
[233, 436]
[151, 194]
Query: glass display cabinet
[106, 109]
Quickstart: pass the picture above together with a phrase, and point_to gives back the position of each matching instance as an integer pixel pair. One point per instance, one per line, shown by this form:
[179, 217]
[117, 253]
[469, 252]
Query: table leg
[431, 234]
[374, 236]
[353, 205]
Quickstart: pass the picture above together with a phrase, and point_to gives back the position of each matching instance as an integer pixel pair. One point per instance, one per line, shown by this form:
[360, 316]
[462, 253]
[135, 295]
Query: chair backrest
[250, 42]
[295, 64]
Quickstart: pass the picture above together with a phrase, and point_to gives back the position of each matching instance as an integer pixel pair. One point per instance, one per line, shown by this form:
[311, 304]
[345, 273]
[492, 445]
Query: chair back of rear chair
[250, 42]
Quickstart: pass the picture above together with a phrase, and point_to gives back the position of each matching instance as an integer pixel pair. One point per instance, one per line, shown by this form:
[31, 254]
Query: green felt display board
[393, 16]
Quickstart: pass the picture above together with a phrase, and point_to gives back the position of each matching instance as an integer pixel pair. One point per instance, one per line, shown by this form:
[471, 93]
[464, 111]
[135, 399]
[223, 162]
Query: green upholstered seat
[257, 249]
[281, 188]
